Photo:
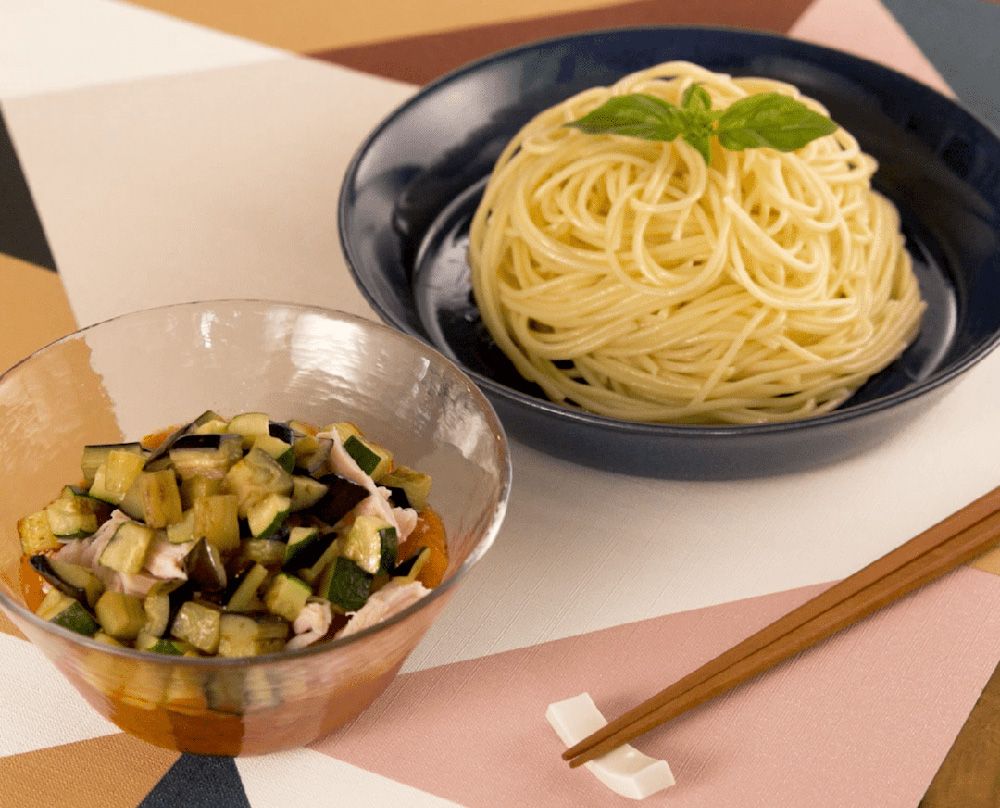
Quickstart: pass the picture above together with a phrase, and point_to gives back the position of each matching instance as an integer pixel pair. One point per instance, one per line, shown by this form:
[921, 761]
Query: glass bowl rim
[501, 449]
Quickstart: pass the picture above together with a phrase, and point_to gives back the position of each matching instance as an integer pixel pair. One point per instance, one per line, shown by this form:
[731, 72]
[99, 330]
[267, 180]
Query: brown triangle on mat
[114, 771]
[420, 59]
[34, 308]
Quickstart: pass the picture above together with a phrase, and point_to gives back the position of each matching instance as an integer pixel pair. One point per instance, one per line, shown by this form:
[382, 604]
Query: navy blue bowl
[413, 186]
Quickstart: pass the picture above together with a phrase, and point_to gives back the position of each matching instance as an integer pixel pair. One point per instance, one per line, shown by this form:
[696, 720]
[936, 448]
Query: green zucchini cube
[198, 625]
[161, 498]
[286, 596]
[216, 520]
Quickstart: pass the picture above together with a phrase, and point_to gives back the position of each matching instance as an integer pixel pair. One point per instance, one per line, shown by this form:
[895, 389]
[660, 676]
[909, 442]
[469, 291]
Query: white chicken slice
[311, 624]
[389, 600]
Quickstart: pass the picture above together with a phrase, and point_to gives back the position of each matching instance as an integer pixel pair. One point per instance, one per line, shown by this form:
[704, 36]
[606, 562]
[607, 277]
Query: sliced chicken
[389, 600]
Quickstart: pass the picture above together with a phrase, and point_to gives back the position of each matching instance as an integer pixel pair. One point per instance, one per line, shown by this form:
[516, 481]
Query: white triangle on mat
[316, 777]
[40, 708]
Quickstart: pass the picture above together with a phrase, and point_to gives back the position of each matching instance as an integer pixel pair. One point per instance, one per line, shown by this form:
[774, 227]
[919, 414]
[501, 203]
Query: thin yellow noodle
[629, 278]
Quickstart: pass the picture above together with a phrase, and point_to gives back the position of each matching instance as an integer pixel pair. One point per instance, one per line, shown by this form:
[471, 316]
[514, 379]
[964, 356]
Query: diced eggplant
[243, 587]
[410, 568]
[312, 573]
[183, 531]
[131, 503]
[205, 455]
[390, 548]
[243, 635]
[126, 552]
[120, 615]
[313, 454]
[115, 476]
[249, 425]
[95, 455]
[204, 567]
[207, 417]
[216, 521]
[341, 497]
[306, 492]
[410, 489]
[199, 486]
[304, 548]
[282, 432]
[197, 624]
[269, 552]
[163, 450]
[254, 477]
[72, 517]
[73, 580]
[161, 499]
[36, 533]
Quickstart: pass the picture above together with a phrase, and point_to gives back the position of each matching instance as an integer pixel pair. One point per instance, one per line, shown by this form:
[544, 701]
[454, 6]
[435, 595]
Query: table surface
[168, 150]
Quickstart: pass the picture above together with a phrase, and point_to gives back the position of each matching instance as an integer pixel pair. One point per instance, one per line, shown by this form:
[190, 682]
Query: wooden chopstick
[953, 541]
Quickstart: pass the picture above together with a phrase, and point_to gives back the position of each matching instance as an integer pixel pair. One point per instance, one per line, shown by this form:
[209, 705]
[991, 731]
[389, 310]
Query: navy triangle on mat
[22, 235]
[199, 782]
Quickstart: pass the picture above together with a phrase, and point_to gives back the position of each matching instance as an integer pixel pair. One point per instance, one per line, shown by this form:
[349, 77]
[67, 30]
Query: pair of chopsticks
[965, 534]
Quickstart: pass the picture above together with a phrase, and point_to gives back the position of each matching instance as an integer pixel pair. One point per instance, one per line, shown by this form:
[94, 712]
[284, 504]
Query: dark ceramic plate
[410, 192]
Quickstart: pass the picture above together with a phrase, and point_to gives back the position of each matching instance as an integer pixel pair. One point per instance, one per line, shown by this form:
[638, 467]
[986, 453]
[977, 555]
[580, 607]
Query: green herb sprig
[765, 120]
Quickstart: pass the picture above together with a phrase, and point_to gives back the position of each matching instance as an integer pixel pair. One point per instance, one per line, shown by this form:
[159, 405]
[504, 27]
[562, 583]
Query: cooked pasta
[629, 278]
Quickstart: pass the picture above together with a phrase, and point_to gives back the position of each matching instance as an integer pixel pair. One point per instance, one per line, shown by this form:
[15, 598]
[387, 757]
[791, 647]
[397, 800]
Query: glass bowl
[139, 372]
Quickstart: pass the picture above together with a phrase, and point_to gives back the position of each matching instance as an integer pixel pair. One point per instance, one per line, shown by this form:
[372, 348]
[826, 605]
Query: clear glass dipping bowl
[140, 372]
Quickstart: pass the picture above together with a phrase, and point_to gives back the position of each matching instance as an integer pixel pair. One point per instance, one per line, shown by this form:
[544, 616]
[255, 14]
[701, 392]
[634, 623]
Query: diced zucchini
[304, 548]
[312, 573]
[341, 497]
[156, 606]
[205, 455]
[207, 417]
[374, 460]
[205, 568]
[303, 427]
[415, 485]
[131, 503]
[183, 531]
[209, 423]
[249, 425]
[120, 615]
[244, 594]
[116, 474]
[216, 521]
[363, 542]
[36, 533]
[268, 552]
[161, 645]
[409, 570]
[306, 492]
[67, 612]
[390, 548]
[161, 499]
[267, 515]
[72, 517]
[199, 486]
[275, 447]
[107, 639]
[241, 635]
[126, 552]
[345, 585]
[286, 596]
[313, 455]
[73, 580]
[255, 477]
[198, 625]
[94, 456]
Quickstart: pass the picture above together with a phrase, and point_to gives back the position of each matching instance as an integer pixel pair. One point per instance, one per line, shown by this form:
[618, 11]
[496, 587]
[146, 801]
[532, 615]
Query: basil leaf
[771, 120]
[702, 142]
[696, 98]
[641, 116]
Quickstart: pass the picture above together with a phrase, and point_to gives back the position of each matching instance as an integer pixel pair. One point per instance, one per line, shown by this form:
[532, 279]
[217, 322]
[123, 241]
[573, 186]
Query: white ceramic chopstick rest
[624, 770]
